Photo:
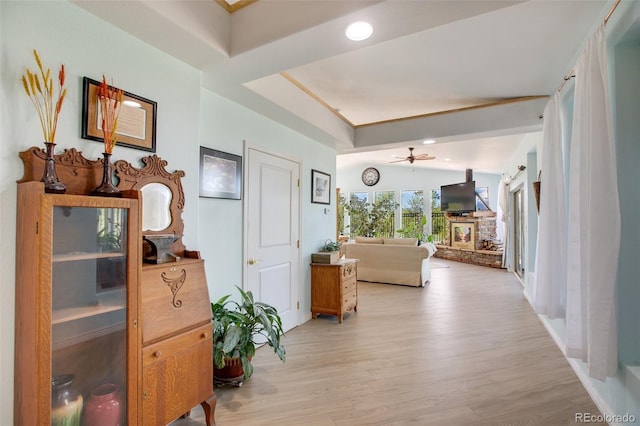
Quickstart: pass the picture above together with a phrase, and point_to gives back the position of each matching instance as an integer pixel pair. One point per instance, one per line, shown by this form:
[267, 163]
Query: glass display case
[77, 273]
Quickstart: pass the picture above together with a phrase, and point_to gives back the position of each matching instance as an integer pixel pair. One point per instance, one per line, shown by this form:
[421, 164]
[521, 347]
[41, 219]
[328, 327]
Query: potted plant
[329, 253]
[415, 229]
[237, 328]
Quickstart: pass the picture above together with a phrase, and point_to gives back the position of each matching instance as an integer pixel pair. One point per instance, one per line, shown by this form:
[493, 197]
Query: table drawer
[348, 271]
[349, 301]
[349, 285]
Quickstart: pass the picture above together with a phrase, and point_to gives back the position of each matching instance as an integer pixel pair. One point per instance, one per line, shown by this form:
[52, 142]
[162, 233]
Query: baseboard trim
[584, 378]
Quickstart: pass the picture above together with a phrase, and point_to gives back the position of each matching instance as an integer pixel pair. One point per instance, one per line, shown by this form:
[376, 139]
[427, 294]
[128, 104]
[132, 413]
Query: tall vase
[106, 188]
[104, 407]
[66, 402]
[50, 178]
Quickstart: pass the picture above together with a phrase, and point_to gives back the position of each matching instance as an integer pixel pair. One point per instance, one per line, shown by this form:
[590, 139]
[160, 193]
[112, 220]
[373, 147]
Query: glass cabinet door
[89, 314]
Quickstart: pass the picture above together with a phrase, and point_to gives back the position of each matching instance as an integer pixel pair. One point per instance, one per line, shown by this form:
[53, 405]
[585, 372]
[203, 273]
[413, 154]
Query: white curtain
[549, 294]
[593, 218]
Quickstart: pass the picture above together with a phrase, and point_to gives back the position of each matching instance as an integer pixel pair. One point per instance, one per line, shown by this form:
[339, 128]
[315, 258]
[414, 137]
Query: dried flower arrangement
[41, 94]
[110, 100]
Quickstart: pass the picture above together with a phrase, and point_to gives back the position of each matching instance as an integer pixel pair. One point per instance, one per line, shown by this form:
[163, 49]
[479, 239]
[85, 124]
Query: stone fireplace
[468, 237]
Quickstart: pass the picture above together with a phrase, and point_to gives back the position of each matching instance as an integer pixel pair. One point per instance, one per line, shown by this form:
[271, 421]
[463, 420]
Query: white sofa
[391, 260]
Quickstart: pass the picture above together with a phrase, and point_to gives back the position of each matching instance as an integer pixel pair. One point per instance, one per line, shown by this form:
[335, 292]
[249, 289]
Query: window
[412, 210]
[358, 209]
[482, 198]
[438, 220]
[384, 214]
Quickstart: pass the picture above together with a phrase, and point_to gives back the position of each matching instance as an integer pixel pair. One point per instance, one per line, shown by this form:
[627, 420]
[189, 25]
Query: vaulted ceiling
[471, 74]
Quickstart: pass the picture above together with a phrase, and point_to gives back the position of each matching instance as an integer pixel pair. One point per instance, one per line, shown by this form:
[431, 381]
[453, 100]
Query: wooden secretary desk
[90, 311]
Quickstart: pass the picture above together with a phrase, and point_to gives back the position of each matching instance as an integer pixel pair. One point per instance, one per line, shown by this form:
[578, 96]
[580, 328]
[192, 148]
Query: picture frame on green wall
[136, 119]
[220, 174]
[320, 187]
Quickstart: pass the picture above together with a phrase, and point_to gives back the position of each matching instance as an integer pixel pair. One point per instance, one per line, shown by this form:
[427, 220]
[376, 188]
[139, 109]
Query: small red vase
[104, 407]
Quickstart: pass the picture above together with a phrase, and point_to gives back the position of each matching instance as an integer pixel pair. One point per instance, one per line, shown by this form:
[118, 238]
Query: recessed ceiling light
[428, 141]
[359, 31]
[447, 159]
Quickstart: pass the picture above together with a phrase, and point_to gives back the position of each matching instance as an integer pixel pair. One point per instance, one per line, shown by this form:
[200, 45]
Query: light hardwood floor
[465, 350]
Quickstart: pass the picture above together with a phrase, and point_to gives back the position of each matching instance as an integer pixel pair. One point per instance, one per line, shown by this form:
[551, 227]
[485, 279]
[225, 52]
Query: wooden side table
[334, 289]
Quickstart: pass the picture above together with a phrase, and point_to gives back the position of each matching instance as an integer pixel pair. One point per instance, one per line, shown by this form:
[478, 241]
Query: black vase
[50, 178]
[106, 188]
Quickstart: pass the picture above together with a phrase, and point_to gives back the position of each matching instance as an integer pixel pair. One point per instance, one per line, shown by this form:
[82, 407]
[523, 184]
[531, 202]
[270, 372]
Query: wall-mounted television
[458, 197]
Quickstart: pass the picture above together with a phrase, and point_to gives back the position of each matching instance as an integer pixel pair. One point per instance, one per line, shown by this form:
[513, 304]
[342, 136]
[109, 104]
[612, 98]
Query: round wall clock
[370, 176]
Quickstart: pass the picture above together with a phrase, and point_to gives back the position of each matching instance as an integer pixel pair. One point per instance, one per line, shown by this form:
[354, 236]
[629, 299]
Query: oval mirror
[156, 203]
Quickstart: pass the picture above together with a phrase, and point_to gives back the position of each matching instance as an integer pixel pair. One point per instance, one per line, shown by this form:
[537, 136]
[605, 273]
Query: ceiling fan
[411, 158]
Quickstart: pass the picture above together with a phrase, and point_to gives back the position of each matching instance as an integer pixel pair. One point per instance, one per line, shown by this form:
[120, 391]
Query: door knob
[253, 261]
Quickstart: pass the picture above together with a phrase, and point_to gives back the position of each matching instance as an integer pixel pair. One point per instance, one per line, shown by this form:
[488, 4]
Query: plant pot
[325, 257]
[232, 370]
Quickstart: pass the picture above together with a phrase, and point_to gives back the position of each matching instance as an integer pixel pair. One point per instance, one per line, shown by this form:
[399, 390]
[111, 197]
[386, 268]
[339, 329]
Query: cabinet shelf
[79, 312]
[74, 256]
[107, 301]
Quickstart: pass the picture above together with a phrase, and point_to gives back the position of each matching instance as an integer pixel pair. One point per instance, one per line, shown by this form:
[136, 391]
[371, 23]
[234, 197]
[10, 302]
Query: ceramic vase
[104, 407]
[66, 402]
[50, 178]
[106, 188]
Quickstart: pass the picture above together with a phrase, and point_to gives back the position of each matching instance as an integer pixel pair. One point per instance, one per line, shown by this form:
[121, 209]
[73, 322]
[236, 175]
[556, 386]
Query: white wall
[187, 118]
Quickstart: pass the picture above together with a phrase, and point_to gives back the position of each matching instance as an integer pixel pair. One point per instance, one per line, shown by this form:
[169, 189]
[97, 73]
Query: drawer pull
[205, 335]
[157, 354]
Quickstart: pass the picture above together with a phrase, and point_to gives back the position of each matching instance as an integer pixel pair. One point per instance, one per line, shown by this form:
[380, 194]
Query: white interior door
[272, 230]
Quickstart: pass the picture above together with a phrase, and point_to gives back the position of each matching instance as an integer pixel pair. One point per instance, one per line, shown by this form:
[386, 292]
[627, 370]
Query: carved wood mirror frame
[154, 171]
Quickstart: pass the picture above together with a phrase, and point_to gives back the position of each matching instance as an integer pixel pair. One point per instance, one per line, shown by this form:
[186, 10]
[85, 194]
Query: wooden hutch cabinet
[96, 307]
[77, 298]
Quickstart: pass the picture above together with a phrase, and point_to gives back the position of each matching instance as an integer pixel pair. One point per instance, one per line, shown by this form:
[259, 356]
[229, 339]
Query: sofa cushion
[401, 241]
[368, 240]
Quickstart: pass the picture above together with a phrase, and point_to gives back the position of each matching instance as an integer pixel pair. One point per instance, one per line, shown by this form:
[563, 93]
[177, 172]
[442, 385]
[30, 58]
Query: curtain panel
[593, 221]
[549, 294]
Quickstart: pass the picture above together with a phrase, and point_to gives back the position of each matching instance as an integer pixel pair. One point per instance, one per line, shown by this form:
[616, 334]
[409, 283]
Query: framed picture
[136, 119]
[320, 187]
[220, 174]
[463, 235]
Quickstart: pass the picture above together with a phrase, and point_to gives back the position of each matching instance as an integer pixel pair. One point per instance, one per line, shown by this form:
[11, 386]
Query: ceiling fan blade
[424, 157]
[398, 161]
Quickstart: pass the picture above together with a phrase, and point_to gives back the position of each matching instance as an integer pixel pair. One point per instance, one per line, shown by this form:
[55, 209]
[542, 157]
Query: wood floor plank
[465, 350]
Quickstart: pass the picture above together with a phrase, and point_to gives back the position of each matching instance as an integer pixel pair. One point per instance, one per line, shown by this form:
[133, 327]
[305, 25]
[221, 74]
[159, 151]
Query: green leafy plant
[370, 219]
[236, 325]
[414, 229]
[330, 246]
[110, 238]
